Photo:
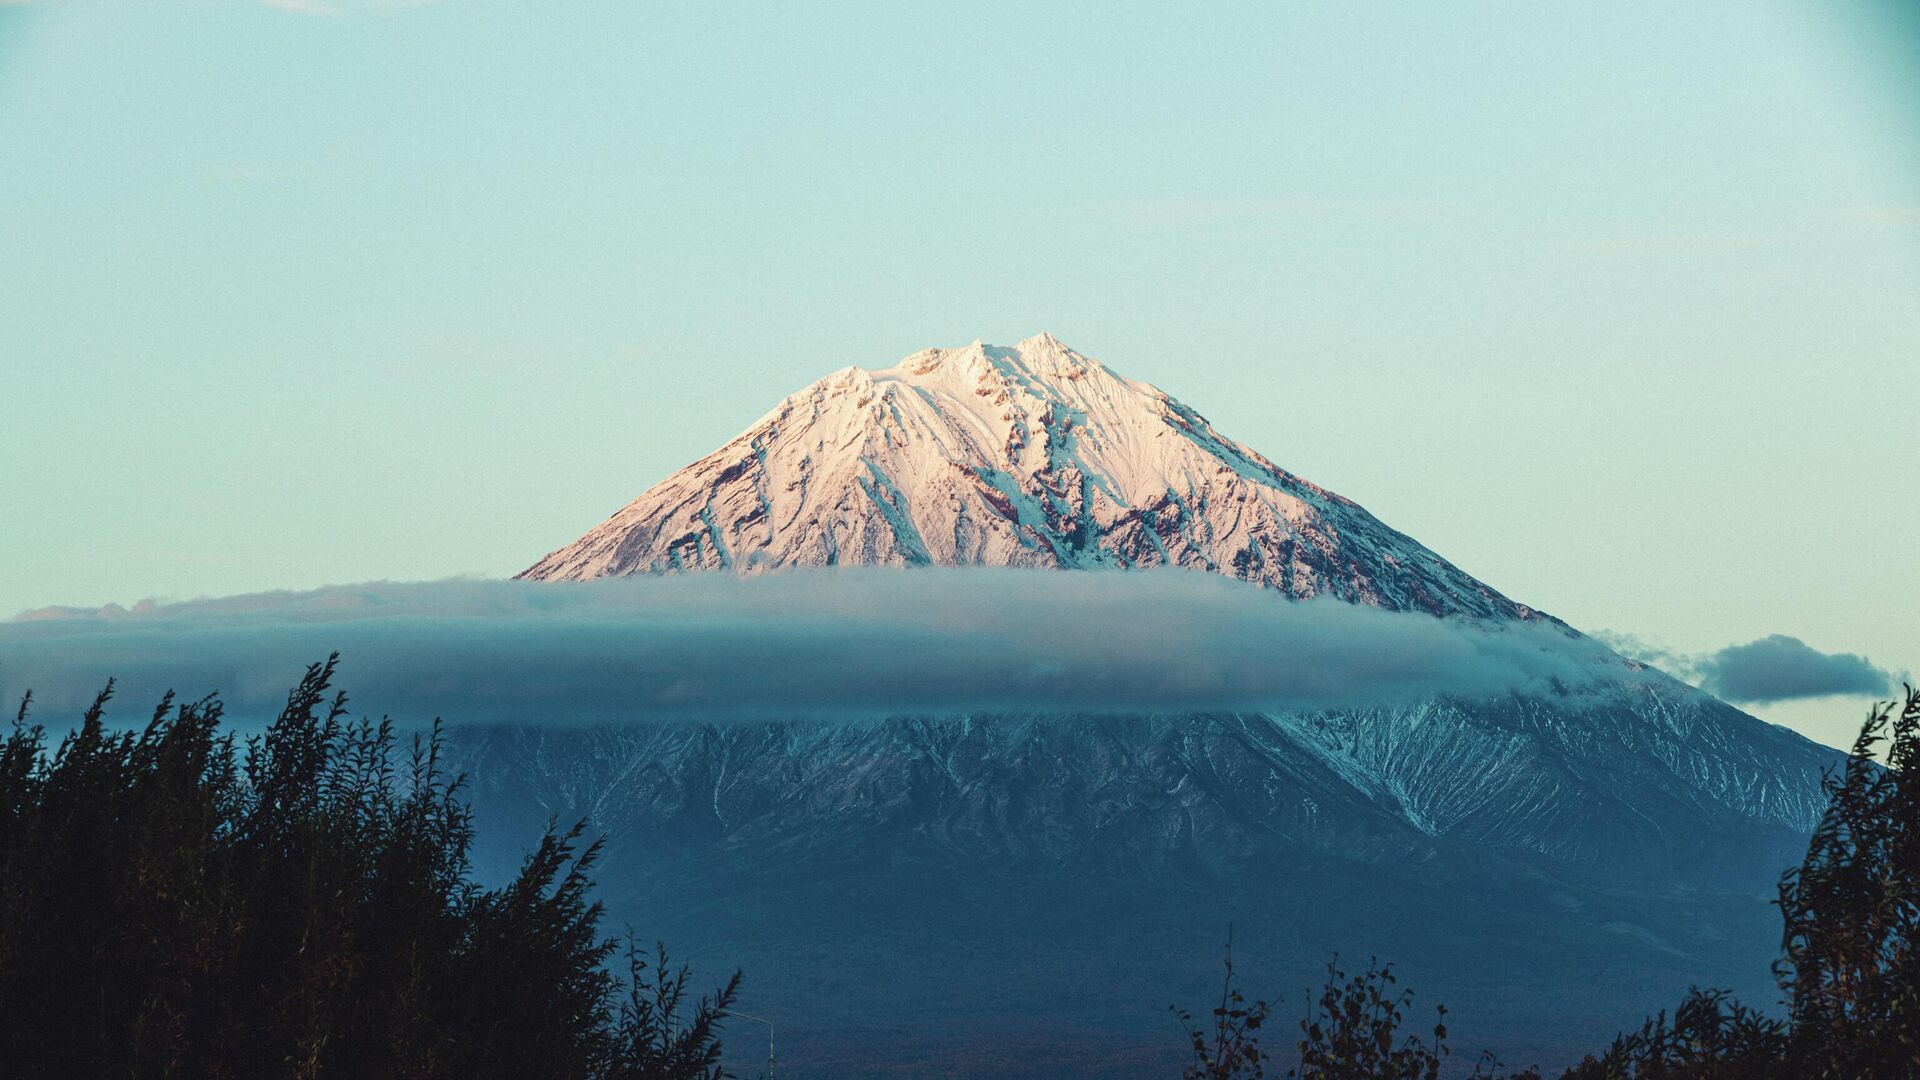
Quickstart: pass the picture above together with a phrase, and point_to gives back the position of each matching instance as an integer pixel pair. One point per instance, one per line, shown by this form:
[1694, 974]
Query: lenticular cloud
[800, 644]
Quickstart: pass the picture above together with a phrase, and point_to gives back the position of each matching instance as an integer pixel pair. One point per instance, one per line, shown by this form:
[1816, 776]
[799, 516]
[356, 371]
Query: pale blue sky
[1615, 305]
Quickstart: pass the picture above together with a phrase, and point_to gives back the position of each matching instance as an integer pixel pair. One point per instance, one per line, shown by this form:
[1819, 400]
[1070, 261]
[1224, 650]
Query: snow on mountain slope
[1033, 455]
[1036, 455]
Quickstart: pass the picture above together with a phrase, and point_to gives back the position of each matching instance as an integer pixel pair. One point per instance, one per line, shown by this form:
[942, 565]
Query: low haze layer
[848, 641]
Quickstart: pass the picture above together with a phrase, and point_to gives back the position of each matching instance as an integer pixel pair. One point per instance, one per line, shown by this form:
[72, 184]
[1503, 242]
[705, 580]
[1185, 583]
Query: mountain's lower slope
[919, 896]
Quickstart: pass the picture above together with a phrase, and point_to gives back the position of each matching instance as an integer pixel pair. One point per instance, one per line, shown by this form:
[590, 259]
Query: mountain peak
[1037, 356]
[1029, 455]
[1043, 341]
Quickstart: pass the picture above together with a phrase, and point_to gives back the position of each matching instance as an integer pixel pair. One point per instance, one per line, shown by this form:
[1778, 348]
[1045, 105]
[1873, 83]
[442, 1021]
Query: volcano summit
[1033, 455]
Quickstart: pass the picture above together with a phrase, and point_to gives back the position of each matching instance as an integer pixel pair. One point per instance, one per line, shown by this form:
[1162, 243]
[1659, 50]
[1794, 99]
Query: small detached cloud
[1774, 668]
[828, 643]
[1778, 668]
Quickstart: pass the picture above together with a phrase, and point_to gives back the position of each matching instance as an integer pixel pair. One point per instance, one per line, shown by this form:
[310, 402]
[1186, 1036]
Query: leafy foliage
[174, 904]
[650, 1037]
[1353, 1031]
[1852, 912]
[1709, 1036]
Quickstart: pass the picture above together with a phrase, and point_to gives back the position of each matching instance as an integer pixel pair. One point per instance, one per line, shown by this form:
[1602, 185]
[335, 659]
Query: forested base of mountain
[175, 903]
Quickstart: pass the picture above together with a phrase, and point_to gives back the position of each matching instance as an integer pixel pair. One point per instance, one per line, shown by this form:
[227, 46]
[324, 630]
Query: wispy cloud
[1880, 217]
[1772, 668]
[1822, 226]
[1677, 243]
[306, 7]
[329, 9]
[845, 642]
[1186, 211]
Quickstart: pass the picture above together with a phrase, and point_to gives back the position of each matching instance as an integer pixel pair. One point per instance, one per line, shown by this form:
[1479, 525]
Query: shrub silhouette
[1231, 1049]
[172, 904]
[1708, 1036]
[1354, 1030]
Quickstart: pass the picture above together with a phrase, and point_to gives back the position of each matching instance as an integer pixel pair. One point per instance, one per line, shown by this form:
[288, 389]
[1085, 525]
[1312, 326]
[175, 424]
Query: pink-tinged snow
[1033, 455]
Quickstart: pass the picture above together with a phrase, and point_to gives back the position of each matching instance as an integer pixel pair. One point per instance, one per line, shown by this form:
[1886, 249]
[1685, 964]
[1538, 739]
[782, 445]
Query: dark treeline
[175, 905]
[1848, 972]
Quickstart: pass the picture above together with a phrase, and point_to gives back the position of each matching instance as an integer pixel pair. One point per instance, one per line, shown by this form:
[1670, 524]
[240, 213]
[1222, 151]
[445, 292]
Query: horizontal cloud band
[842, 642]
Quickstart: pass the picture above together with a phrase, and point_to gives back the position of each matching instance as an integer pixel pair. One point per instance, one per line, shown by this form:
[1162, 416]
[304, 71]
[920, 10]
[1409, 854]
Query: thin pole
[761, 1020]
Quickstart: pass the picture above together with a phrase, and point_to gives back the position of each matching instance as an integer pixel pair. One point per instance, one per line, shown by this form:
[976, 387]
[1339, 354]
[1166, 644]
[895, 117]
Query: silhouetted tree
[172, 904]
[1852, 913]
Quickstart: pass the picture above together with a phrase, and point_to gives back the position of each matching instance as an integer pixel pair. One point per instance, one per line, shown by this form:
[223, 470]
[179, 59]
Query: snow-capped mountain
[1033, 455]
[1012, 895]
